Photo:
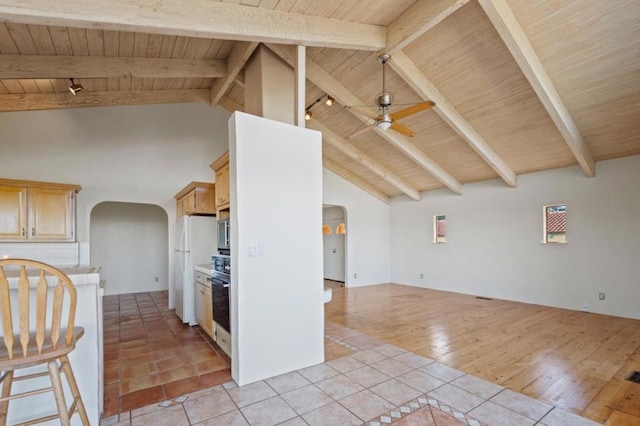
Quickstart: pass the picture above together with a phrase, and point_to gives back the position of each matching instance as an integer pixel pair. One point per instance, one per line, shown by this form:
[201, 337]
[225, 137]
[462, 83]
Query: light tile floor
[370, 383]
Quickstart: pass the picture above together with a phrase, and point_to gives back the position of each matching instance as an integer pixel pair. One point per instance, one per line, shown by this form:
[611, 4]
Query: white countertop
[205, 268]
[79, 275]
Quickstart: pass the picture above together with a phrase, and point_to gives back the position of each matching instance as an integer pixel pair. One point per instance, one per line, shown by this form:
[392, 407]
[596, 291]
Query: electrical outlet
[585, 307]
[601, 296]
[157, 279]
[355, 275]
[421, 276]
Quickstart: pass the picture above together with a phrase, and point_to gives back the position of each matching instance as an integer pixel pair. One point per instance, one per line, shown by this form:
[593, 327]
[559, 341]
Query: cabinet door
[222, 186]
[189, 203]
[13, 212]
[51, 214]
[208, 312]
[179, 208]
[200, 289]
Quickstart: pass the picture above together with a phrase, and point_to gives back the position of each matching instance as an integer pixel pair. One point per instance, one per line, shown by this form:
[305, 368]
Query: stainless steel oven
[220, 281]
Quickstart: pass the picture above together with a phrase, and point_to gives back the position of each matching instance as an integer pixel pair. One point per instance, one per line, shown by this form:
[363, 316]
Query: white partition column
[277, 310]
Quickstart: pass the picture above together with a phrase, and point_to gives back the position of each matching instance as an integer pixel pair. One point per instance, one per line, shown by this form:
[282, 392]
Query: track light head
[308, 115]
[75, 88]
[330, 101]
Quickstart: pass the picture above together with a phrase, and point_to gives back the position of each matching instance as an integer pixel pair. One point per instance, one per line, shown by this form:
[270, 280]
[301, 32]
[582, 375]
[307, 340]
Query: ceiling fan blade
[360, 131]
[402, 129]
[411, 110]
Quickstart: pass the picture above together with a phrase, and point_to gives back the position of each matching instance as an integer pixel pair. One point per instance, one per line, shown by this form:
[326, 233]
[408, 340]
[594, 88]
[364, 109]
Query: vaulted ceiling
[518, 85]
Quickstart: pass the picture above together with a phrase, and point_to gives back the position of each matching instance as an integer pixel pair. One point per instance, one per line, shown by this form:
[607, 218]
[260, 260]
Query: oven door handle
[217, 282]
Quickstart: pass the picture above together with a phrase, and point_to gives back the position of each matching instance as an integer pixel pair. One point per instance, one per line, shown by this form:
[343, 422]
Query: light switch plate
[255, 250]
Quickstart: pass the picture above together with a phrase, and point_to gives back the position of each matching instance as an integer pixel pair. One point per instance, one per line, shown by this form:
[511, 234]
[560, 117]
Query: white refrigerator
[195, 244]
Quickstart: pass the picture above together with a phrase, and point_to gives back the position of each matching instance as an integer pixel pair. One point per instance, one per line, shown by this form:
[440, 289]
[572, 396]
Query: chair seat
[33, 357]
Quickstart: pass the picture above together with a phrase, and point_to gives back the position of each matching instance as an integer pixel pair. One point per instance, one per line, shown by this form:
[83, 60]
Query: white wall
[368, 231]
[130, 242]
[277, 310]
[141, 154]
[494, 236]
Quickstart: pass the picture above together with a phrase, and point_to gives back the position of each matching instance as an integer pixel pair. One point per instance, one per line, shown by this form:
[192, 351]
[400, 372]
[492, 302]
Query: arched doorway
[334, 243]
[130, 242]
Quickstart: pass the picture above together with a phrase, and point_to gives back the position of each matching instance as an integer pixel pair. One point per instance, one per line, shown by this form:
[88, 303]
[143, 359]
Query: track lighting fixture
[328, 100]
[75, 88]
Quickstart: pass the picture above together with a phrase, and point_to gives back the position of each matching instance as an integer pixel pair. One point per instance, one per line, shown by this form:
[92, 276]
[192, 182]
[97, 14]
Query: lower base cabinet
[223, 339]
[204, 305]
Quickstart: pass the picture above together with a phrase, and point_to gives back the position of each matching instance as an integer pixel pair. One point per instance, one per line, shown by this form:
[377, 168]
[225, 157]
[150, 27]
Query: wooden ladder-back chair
[48, 342]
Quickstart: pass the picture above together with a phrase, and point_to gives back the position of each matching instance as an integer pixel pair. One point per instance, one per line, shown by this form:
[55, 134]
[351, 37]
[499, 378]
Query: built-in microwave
[223, 234]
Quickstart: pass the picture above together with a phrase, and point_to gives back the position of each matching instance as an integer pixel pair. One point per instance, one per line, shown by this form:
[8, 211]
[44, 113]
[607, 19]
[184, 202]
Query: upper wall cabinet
[37, 211]
[197, 198]
[221, 167]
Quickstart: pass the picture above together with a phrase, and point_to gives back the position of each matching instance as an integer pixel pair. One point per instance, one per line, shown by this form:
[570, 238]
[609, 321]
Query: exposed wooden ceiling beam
[39, 101]
[331, 165]
[239, 80]
[518, 44]
[52, 66]
[354, 153]
[230, 105]
[238, 57]
[417, 20]
[401, 63]
[318, 76]
[197, 18]
[423, 160]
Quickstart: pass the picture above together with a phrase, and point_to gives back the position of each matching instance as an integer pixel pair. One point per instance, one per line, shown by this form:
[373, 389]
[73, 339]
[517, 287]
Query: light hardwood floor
[574, 360]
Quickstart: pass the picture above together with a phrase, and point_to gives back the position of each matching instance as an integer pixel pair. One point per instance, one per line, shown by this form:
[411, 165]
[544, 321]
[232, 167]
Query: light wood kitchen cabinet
[221, 167]
[179, 208]
[13, 212]
[199, 301]
[197, 198]
[37, 211]
[223, 339]
[204, 305]
[50, 214]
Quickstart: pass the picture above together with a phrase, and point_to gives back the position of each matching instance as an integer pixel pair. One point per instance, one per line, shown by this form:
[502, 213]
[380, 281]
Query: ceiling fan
[385, 120]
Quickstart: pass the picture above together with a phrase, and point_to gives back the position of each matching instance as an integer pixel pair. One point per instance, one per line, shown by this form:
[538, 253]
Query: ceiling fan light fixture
[384, 122]
[75, 88]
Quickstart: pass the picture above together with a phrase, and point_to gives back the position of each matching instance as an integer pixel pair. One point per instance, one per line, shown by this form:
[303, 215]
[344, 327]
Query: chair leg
[71, 379]
[56, 383]
[6, 391]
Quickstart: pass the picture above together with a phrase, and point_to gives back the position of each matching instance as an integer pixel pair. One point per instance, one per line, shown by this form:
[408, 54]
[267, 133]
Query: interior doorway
[334, 230]
[130, 242]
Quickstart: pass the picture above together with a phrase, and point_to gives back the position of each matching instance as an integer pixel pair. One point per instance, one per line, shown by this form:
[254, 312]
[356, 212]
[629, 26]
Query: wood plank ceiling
[518, 86]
